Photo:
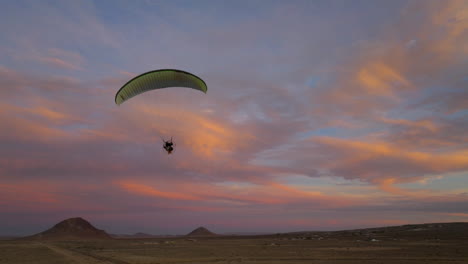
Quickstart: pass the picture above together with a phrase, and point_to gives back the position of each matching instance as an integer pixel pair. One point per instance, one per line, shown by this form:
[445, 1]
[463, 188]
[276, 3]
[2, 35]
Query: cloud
[378, 79]
[374, 160]
[54, 26]
[56, 62]
[388, 185]
[57, 58]
[378, 162]
[26, 130]
[444, 102]
[381, 74]
[39, 196]
[150, 191]
[420, 124]
[435, 134]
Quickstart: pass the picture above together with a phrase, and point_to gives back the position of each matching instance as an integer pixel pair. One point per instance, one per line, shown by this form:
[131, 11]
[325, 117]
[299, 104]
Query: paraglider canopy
[159, 79]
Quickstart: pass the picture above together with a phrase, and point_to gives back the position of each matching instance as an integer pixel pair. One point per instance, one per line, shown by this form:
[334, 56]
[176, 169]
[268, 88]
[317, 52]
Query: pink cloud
[359, 157]
[28, 130]
[426, 134]
[463, 215]
[142, 189]
[60, 58]
[59, 63]
[46, 196]
[423, 124]
[383, 73]
[245, 196]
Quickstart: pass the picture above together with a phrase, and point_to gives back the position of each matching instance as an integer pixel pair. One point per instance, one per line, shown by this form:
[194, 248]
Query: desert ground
[318, 247]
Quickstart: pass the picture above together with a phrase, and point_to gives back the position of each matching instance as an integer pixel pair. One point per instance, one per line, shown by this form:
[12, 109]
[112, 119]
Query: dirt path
[76, 257]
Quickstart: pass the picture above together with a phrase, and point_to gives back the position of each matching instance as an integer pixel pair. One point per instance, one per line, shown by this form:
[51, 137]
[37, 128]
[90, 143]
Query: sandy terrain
[273, 249]
[76, 241]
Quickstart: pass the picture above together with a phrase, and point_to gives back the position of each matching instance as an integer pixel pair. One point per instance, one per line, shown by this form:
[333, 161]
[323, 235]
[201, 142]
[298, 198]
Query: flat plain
[380, 246]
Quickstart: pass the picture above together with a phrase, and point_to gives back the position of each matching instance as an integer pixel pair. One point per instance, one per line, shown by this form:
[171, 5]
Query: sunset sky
[319, 115]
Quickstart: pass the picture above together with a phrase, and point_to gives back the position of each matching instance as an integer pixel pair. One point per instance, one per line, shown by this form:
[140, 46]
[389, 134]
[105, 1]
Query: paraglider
[158, 79]
[168, 146]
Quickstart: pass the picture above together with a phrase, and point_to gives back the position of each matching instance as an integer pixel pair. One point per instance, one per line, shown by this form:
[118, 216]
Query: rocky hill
[72, 228]
[201, 232]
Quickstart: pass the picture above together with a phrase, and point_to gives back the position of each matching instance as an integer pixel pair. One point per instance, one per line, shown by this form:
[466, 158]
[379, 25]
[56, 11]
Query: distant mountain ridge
[455, 230]
[72, 228]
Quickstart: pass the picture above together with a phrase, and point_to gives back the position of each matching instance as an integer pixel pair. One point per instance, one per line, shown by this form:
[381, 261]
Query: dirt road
[77, 257]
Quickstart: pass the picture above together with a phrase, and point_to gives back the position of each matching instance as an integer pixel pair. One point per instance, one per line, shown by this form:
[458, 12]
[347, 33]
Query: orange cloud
[200, 208]
[207, 138]
[27, 192]
[295, 191]
[292, 194]
[425, 124]
[102, 134]
[202, 192]
[231, 194]
[453, 17]
[364, 150]
[364, 160]
[146, 190]
[43, 110]
[379, 79]
[46, 195]
[464, 215]
[385, 69]
[22, 129]
[49, 114]
[388, 185]
[425, 133]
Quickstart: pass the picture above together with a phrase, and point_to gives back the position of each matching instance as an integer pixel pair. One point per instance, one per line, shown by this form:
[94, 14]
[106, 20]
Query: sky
[319, 115]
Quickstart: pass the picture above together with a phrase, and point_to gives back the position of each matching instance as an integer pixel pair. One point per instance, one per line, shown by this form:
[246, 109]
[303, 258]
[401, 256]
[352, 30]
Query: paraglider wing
[159, 79]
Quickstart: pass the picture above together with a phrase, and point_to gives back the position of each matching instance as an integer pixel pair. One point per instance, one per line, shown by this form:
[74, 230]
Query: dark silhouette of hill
[432, 231]
[201, 232]
[8, 237]
[72, 228]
